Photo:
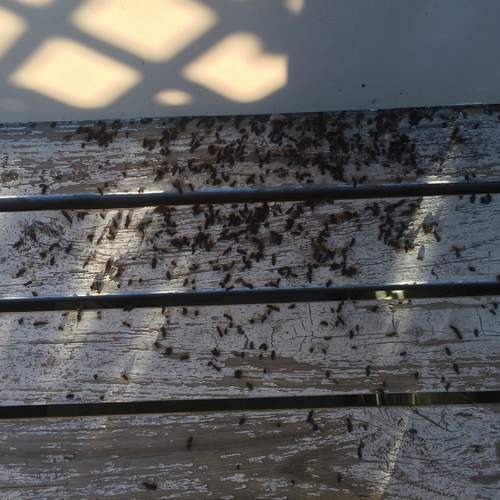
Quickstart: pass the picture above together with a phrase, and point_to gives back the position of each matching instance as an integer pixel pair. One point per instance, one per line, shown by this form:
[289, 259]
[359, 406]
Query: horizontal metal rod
[88, 201]
[246, 296]
[249, 404]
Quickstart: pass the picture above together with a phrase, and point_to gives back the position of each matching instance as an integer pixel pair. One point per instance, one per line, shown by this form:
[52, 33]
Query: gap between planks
[82, 201]
[132, 300]
[193, 406]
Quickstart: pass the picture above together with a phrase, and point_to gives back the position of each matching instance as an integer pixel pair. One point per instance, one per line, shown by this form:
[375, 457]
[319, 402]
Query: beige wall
[72, 59]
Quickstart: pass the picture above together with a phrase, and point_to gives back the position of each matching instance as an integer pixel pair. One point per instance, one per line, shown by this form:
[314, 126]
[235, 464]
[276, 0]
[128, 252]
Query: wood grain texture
[370, 242]
[413, 453]
[417, 145]
[210, 352]
[215, 351]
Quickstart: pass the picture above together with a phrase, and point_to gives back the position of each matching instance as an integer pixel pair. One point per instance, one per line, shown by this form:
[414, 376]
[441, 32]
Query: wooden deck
[425, 346]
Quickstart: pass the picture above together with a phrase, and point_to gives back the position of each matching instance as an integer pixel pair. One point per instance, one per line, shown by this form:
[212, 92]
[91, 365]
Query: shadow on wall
[91, 59]
[96, 58]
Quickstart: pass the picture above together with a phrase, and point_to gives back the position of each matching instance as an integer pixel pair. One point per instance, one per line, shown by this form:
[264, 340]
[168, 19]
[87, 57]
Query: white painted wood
[418, 453]
[147, 354]
[448, 143]
[145, 249]
[141, 354]
[51, 252]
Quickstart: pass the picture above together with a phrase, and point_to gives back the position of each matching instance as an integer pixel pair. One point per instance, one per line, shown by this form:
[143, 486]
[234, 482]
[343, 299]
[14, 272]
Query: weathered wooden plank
[215, 351]
[288, 244]
[422, 145]
[422, 452]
